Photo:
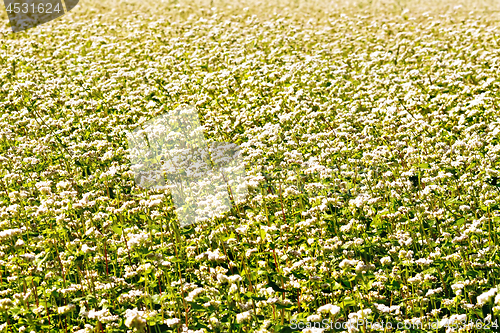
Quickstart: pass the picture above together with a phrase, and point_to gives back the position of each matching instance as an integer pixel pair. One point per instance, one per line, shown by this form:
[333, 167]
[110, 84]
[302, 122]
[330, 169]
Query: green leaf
[287, 307]
[348, 301]
[368, 285]
[176, 260]
[470, 166]
[200, 325]
[432, 270]
[299, 275]
[396, 284]
[459, 221]
[336, 286]
[232, 235]
[263, 234]
[346, 284]
[254, 297]
[196, 307]
[478, 313]
[117, 229]
[276, 287]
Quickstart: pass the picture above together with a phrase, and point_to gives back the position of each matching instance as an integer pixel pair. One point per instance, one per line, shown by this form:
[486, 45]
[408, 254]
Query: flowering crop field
[370, 133]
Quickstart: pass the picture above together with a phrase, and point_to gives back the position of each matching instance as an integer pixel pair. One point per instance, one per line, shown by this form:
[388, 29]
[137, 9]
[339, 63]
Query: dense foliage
[371, 141]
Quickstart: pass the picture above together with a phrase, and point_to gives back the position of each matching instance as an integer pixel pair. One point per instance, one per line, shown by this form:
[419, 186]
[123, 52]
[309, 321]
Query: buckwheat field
[370, 133]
